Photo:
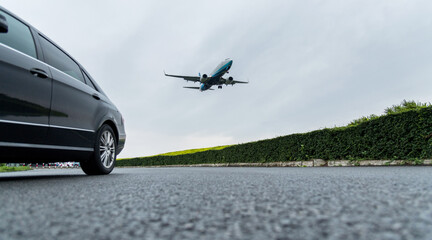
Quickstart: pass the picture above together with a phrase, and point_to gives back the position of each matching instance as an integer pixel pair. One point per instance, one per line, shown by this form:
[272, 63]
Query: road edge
[310, 163]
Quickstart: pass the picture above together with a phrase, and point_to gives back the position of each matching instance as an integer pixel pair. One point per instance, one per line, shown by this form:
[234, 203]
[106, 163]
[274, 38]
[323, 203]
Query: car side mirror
[3, 24]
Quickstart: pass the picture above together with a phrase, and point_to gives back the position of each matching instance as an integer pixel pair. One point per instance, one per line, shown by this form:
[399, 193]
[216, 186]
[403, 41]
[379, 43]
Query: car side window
[60, 60]
[18, 36]
[88, 81]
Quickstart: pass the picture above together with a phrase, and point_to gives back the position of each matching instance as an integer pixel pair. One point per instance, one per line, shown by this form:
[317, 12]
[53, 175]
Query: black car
[51, 109]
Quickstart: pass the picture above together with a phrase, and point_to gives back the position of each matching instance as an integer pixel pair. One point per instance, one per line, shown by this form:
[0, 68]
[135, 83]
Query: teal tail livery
[215, 78]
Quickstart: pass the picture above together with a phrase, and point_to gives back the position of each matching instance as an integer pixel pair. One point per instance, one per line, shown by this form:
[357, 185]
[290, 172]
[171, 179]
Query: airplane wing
[228, 82]
[187, 78]
[238, 82]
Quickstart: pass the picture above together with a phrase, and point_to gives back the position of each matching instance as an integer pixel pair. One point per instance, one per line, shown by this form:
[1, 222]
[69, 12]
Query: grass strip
[5, 168]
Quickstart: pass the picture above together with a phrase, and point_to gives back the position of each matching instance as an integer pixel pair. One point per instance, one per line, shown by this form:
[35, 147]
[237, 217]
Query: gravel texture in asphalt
[218, 203]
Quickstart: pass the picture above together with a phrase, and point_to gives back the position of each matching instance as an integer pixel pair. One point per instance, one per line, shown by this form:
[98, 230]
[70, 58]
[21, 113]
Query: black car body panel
[50, 107]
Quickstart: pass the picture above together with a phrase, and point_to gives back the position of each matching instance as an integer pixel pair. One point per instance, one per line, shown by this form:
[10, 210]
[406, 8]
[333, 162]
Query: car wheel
[103, 158]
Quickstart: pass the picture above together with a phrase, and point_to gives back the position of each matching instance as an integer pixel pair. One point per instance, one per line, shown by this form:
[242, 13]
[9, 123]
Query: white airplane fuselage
[215, 77]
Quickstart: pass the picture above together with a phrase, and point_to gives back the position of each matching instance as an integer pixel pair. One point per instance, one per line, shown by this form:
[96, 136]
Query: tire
[104, 156]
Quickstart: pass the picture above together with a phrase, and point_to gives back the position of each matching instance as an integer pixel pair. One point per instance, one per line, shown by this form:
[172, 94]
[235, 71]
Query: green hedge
[403, 136]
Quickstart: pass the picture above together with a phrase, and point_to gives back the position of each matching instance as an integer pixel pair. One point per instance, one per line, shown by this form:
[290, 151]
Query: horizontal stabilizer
[197, 88]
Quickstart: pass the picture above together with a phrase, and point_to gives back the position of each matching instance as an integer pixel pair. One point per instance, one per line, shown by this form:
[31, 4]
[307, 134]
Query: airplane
[215, 77]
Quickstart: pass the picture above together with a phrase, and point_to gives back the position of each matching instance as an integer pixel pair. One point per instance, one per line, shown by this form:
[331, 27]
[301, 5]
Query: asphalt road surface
[218, 203]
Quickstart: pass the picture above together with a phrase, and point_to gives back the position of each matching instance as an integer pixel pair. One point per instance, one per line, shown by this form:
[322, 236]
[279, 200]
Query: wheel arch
[114, 119]
[113, 126]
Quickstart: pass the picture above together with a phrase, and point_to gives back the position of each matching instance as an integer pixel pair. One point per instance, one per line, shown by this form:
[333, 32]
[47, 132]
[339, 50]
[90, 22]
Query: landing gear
[220, 87]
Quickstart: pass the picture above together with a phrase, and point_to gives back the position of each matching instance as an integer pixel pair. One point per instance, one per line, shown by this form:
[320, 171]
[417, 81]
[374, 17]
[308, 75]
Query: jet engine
[230, 80]
[204, 78]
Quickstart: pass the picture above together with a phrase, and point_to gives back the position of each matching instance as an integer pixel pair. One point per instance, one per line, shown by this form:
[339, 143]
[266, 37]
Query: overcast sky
[311, 64]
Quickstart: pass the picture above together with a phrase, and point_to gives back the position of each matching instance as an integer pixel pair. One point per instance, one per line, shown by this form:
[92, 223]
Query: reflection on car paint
[10, 106]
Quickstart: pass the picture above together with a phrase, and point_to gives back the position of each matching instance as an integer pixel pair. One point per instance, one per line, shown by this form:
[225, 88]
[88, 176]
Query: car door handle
[96, 96]
[38, 73]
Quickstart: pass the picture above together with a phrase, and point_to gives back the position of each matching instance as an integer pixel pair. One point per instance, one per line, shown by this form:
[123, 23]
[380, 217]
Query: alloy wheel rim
[107, 149]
